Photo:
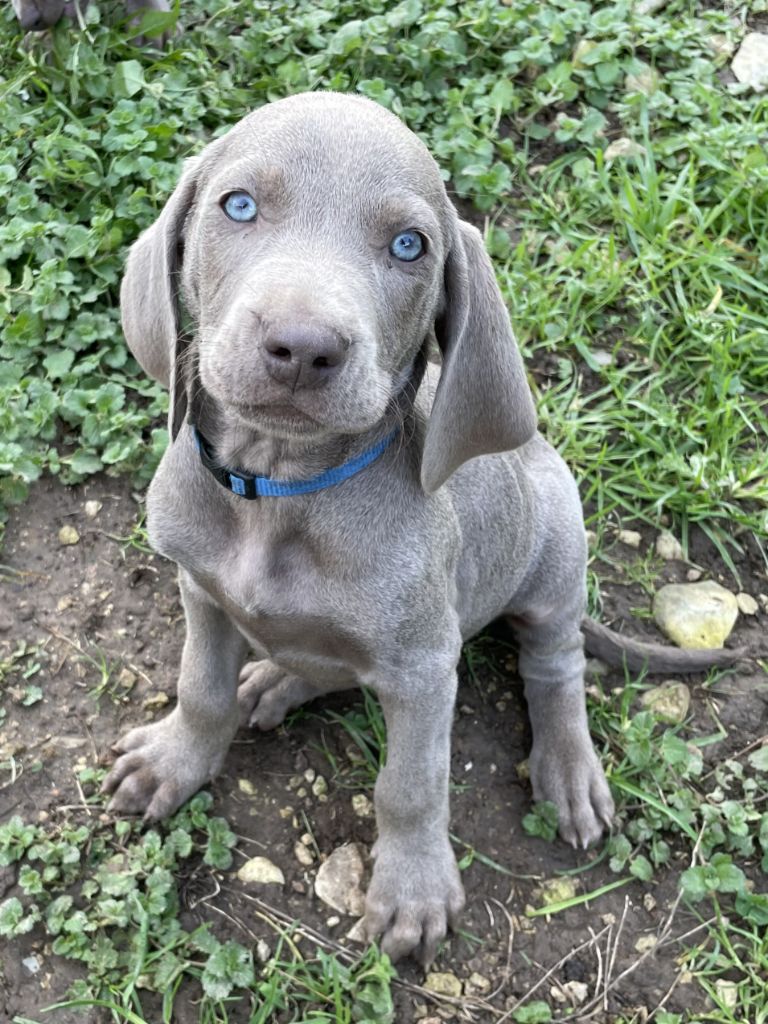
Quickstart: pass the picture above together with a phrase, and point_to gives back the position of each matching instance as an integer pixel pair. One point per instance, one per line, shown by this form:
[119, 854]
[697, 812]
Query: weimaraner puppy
[37, 15]
[336, 504]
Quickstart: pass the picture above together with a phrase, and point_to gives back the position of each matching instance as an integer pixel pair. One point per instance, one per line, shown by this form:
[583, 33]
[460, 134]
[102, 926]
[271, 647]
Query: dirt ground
[102, 595]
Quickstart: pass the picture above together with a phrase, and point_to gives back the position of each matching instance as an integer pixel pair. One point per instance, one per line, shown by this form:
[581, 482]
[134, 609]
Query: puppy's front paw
[414, 897]
[568, 773]
[160, 766]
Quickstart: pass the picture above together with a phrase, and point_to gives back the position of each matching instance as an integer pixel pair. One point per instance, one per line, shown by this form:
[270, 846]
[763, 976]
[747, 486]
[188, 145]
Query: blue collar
[247, 486]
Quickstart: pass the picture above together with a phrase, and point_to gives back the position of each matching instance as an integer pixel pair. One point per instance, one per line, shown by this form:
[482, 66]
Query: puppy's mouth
[281, 418]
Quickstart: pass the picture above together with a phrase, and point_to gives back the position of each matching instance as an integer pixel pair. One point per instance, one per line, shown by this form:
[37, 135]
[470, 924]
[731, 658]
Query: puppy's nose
[304, 356]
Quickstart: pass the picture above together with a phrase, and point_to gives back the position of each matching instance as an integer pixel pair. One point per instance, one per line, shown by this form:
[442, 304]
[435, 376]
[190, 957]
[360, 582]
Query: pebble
[262, 871]
[669, 547]
[303, 854]
[727, 992]
[263, 952]
[247, 787]
[339, 879]
[362, 806]
[444, 983]
[320, 788]
[332, 921]
[629, 537]
[750, 65]
[649, 902]
[92, 508]
[477, 984]
[155, 700]
[68, 535]
[669, 702]
[645, 942]
[695, 615]
[747, 604]
[32, 964]
[693, 575]
[577, 992]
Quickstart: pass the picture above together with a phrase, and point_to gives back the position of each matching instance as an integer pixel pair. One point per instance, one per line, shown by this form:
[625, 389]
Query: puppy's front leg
[416, 891]
[163, 764]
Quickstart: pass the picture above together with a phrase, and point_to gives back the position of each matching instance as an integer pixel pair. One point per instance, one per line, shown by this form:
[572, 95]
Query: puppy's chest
[286, 595]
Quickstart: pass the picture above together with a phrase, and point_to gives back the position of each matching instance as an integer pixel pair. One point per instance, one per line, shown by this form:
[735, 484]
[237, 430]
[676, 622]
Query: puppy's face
[313, 262]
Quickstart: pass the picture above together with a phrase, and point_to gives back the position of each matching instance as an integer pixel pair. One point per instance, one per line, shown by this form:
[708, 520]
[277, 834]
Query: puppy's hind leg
[267, 693]
[563, 765]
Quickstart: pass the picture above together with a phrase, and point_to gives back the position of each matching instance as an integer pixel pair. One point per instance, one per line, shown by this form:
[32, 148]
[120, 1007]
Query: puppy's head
[316, 251]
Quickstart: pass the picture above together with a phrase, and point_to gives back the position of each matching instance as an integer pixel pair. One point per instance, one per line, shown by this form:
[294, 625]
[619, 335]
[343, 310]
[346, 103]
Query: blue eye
[240, 206]
[408, 246]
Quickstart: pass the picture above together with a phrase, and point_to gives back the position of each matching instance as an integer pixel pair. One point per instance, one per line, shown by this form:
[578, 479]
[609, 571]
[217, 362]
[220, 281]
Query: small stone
[362, 806]
[669, 702]
[477, 984]
[357, 932]
[332, 921]
[339, 879]
[523, 769]
[64, 602]
[68, 535]
[629, 537]
[747, 604]
[693, 575]
[263, 952]
[92, 508]
[576, 991]
[155, 701]
[695, 615]
[649, 903]
[295, 781]
[669, 548]
[127, 679]
[727, 992]
[32, 963]
[750, 65]
[600, 355]
[623, 147]
[320, 787]
[444, 983]
[261, 871]
[309, 775]
[247, 787]
[303, 854]
[645, 942]
[556, 890]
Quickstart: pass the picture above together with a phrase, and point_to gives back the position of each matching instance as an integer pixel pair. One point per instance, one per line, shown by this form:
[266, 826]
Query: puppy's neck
[240, 446]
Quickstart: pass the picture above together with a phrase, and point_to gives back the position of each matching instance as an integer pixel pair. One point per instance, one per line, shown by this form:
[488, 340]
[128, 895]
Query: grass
[638, 287]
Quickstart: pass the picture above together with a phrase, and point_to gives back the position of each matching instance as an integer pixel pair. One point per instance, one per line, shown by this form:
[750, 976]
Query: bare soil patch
[107, 618]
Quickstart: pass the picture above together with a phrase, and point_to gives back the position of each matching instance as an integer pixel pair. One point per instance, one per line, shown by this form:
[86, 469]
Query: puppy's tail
[618, 651]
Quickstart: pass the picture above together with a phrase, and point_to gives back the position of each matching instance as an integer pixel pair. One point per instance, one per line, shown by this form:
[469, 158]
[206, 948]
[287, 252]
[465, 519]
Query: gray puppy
[317, 254]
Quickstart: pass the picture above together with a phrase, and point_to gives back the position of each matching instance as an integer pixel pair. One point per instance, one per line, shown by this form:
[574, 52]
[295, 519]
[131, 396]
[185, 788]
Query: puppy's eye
[408, 246]
[240, 206]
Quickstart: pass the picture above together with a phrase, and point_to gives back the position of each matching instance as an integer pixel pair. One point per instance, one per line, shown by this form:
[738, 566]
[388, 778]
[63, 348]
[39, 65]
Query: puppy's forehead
[348, 140]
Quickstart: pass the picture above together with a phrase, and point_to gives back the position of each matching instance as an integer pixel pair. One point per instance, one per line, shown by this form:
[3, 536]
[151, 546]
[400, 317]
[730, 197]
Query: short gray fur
[376, 581]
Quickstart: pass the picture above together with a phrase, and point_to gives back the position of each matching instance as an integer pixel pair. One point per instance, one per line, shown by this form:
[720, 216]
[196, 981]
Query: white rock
[696, 615]
[727, 992]
[577, 992]
[261, 870]
[600, 355]
[338, 881]
[693, 575]
[92, 508]
[623, 147]
[263, 952]
[357, 932]
[645, 942]
[629, 537]
[669, 547]
[362, 806]
[303, 854]
[750, 65]
[747, 604]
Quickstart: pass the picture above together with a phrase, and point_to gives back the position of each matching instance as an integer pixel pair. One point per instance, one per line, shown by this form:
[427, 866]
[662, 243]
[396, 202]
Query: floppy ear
[149, 297]
[483, 403]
